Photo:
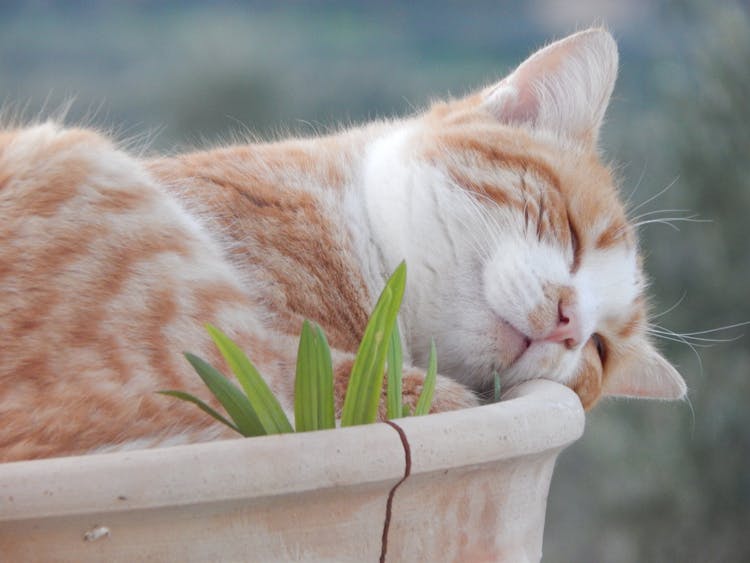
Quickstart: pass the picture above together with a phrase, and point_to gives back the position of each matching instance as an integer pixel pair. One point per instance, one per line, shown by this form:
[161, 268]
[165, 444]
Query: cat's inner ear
[564, 87]
[646, 375]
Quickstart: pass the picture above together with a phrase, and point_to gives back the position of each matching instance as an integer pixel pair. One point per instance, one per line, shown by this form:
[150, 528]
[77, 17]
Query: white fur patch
[607, 284]
[474, 270]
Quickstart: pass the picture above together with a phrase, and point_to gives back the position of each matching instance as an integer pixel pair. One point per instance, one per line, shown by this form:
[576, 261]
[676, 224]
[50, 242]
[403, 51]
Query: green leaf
[267, 408]
[326, 408]
[201, 405]
[395, 376]
[313, 386]
[305, 390]
[366, 380]
[231, 398]
[406, 409]
[428, 387]
[496, 377]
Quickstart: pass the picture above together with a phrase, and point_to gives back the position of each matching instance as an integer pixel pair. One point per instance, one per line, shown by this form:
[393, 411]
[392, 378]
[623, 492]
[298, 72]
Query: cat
[520, 259]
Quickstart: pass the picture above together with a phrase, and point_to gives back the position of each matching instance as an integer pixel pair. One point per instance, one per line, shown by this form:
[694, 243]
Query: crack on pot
[392, 492]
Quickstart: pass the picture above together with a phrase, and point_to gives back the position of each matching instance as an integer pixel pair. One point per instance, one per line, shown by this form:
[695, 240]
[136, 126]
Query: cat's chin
[540, 359]
[511, 343]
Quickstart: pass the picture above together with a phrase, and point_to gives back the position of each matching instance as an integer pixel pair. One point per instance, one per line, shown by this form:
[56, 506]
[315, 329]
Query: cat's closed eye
[575, 244]
[601, 347]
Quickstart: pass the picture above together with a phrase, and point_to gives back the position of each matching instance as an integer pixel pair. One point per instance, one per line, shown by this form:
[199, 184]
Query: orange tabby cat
[520, 259]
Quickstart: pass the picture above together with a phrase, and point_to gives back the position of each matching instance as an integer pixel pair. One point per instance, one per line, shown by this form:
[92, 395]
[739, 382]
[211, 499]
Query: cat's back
[104, 281]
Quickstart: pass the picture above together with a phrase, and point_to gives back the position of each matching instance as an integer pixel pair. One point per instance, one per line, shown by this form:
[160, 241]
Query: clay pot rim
[542, 416]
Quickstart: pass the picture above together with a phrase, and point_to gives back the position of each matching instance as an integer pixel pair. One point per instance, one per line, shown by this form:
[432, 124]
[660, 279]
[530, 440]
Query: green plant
[255, 411]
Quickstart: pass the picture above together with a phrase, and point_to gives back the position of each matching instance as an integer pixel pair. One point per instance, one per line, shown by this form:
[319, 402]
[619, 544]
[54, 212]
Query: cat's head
[540, 274]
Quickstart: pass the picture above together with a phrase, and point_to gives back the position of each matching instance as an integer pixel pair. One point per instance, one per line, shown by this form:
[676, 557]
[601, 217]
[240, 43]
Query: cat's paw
[449, 394]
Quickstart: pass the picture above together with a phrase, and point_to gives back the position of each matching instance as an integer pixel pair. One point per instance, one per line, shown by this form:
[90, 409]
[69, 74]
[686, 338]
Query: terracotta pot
[476, 491]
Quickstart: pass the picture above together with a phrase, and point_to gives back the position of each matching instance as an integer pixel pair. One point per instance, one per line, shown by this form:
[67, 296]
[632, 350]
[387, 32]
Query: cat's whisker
[637, 185]
[656, 212]
[658, 330]
[691, 339]
[668, 221]
[676, 338]
[692, 415]
[703, 342]
[664, 336]
[636, 222]
[655, 196]
[663, 332]
[672, 308]
[717, 329]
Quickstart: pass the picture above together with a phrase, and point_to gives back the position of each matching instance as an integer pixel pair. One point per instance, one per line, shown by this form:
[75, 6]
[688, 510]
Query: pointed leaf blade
[366, 380]
[201, 405]
[326, 408]
[428, 387]
[264, 403]
[395, 375]
[305, 401]
[313, 395]
[231, 398]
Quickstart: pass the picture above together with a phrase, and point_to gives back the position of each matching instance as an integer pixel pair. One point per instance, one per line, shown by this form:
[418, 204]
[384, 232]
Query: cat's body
[519, 254]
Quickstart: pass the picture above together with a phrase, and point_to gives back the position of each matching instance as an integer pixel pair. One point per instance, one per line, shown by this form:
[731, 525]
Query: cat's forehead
[594, 200]
[516, 158]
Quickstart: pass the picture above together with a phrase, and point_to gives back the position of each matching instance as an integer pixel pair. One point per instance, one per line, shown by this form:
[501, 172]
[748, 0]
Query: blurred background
[647, 482]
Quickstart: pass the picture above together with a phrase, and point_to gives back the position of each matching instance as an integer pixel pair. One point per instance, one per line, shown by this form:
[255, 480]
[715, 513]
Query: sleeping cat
[520, 259]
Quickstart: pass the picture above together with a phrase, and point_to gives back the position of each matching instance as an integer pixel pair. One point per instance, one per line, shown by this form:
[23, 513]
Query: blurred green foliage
[648, 482]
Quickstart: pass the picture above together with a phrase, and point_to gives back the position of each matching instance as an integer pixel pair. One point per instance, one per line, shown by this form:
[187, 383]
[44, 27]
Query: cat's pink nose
[568, 329]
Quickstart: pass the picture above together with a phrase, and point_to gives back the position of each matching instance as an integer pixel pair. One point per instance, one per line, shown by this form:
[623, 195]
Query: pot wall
[476, 490]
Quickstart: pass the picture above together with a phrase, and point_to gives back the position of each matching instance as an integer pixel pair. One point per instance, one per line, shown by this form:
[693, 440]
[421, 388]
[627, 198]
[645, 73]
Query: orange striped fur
[510, 224]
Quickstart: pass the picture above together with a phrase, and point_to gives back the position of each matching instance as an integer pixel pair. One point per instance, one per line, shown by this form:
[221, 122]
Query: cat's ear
[564, 87]
[646, 375]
